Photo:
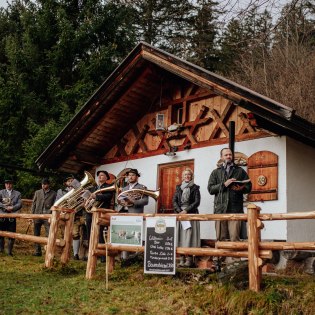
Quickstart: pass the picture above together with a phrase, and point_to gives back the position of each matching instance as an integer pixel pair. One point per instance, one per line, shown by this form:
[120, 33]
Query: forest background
[55, 53]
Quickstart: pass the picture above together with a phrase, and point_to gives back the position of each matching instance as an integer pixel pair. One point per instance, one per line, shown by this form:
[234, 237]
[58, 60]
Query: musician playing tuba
[133, 203]
[105, 202]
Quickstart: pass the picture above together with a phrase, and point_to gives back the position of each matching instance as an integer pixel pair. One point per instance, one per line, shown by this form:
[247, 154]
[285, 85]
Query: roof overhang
[129, 92]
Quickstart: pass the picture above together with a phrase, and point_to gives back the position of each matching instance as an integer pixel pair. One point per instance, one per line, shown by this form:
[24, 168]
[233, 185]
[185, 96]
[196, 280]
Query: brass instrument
[135, 194]
[6, 201]
[74, 198]
[90, 202]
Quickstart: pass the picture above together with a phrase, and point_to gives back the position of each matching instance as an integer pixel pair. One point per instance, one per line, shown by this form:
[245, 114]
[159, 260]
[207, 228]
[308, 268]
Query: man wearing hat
[67, 186]
[105, 199]
[69, 183]
[42, 202]
[10, 201]
[133, 204]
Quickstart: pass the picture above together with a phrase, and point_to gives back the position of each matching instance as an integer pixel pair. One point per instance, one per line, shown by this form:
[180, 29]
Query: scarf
[185, 187]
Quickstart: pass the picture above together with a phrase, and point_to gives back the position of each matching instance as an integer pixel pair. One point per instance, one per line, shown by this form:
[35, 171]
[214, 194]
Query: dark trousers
[8, 225]
[37, 227]
[88, 220]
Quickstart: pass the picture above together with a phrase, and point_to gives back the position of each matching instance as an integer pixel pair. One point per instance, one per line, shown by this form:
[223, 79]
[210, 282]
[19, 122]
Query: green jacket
[227, 200]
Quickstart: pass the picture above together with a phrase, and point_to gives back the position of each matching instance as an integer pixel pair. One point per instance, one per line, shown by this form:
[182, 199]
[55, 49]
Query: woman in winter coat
[186, 200]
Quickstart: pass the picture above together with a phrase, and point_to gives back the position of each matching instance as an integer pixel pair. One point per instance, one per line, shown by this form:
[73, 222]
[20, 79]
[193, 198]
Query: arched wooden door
[170, 175]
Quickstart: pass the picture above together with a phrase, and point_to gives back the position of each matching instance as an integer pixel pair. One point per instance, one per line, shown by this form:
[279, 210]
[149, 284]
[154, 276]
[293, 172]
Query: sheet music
[185, 225]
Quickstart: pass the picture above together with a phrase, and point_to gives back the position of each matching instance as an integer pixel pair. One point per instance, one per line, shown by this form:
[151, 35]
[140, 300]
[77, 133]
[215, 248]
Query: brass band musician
[105, 202]
[128, 202]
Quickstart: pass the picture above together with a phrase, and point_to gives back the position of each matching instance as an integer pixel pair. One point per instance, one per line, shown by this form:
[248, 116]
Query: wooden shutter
[170, 175]
[263, 172]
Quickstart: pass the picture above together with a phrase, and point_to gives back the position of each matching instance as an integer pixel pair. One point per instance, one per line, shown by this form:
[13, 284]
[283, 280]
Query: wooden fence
[254, 250]
[51, 241]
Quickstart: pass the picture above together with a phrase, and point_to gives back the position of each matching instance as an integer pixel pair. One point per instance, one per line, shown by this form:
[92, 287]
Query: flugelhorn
[137, 193]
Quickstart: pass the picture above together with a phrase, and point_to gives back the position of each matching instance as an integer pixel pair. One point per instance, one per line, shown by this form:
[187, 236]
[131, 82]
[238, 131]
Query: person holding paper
[186, 200]
[228, 183]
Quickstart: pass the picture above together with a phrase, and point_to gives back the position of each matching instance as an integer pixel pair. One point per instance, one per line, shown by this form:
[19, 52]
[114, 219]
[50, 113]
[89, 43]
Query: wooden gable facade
[118, 123]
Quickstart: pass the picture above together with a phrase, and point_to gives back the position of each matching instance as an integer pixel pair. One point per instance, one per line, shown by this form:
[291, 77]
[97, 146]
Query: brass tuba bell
[74, 199]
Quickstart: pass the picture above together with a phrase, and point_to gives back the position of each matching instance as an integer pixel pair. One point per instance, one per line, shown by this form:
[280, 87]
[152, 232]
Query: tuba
[137, 193]
[90, 202]
[74, 198]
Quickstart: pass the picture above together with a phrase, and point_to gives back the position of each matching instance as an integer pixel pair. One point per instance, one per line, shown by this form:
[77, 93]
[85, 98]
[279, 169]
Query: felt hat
[70, 176]
[103, 171]
[133, 171]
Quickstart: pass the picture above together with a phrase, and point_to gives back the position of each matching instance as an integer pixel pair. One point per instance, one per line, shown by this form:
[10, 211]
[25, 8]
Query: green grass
[26, 287]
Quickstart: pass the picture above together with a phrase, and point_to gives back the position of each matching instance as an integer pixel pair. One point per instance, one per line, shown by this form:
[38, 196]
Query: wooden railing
[51, 241]
[253, 249]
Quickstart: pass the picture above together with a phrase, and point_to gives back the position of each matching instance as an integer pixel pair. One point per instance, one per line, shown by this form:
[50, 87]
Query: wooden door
[170, 175]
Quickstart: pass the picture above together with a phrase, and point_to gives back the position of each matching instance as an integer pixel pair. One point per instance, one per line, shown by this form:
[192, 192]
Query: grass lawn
[26, 287]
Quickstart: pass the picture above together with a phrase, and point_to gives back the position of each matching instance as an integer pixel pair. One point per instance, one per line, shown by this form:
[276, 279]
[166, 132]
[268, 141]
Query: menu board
[160, 245]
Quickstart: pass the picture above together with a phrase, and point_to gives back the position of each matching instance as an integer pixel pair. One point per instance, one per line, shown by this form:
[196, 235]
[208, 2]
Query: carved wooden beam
[121, 148]
[220, 120]
[161, 134]
[246, 124]
[194, 125]
[139, 139]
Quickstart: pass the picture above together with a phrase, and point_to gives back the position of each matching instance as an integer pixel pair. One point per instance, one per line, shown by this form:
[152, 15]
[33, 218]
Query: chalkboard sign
[160, 246]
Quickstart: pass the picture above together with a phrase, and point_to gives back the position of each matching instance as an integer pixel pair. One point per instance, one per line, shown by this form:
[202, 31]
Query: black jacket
[194, 199]
[227, 200]
[103, 197]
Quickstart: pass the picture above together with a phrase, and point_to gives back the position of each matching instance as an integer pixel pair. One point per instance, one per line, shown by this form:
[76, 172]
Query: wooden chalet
[160, 114]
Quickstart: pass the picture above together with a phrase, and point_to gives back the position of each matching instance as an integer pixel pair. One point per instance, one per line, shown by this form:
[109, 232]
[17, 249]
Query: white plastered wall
[205, 160]
[300, 189]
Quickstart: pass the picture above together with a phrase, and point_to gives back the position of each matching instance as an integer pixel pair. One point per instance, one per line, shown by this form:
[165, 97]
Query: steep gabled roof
[127, 94]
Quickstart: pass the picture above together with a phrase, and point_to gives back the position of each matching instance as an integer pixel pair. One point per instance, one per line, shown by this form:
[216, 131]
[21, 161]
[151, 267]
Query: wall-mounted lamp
[172, 151]
[159, 122]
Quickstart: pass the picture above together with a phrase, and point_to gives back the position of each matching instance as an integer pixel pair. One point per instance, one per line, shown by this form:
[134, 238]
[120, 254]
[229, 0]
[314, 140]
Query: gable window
[177, 114]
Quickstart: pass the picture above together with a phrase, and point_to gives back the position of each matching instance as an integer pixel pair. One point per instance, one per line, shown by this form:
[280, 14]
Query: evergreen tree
[54, 54]
[204, 35]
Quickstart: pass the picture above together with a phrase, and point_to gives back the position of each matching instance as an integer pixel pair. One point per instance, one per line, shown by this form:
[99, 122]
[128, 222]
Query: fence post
[93, 242]
[52, 237]
[254, 262]
[65, 256]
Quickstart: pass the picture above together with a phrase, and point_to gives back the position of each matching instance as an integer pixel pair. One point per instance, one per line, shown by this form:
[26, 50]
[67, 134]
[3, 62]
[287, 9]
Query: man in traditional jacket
[228, 183]
[133, 203]
[42, 202]
[10, 201]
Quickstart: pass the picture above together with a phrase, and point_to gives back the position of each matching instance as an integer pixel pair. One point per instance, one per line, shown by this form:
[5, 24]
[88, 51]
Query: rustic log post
[93, 243]
[254, 262]
[52, 237]
[65, 256]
